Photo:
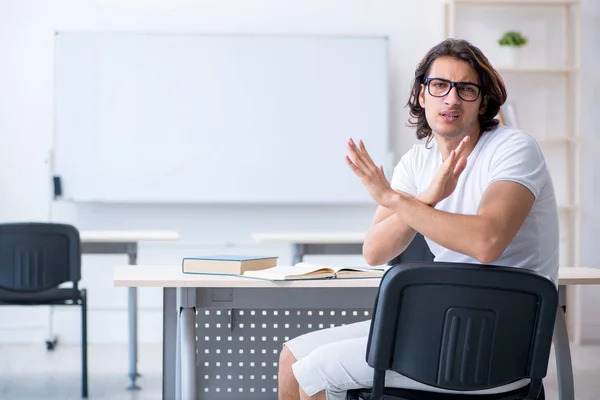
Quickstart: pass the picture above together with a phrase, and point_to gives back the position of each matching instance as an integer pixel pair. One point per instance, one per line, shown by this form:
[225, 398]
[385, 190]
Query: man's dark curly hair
[493, 89]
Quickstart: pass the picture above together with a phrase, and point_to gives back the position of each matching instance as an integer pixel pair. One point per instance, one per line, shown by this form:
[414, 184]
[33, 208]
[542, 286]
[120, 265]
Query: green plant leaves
[512, 38]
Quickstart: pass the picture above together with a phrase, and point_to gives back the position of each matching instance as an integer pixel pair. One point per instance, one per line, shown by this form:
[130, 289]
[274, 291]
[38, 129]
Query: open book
[305, 270]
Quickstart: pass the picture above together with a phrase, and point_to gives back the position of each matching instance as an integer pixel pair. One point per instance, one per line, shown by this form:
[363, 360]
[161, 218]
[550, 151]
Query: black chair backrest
[417, 251]
[463, 326]
[38, 256]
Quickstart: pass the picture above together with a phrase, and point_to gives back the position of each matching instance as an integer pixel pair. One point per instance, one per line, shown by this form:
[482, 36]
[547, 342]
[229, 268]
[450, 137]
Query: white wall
[26, 45]
[26, 41]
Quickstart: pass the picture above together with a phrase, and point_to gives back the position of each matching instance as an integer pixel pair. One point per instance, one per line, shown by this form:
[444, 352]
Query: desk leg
[298, 254]
[132, 306]
[187, 344]
[562, 351]
[169, 344]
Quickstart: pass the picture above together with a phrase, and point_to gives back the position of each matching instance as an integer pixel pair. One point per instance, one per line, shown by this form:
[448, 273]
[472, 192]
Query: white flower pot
[511, 56]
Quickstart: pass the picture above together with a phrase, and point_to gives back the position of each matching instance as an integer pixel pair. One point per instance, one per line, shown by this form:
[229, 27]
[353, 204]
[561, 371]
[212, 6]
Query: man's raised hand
[446, 178]
[371, 175]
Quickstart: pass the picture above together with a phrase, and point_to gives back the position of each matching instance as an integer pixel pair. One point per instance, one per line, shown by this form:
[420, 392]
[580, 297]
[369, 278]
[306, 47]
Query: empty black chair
[37, 258]
[461, 327]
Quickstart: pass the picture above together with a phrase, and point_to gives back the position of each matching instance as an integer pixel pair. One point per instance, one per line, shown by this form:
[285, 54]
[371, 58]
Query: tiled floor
[29, 372]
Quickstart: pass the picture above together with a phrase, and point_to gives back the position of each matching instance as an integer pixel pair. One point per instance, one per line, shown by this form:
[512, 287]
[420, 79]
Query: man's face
[451, 116]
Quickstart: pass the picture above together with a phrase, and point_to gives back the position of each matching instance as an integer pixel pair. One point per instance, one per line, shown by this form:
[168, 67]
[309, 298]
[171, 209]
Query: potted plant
[512, 42]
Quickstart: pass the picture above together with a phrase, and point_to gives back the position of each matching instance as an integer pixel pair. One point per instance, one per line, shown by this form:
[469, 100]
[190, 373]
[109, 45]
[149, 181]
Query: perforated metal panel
[238, 350]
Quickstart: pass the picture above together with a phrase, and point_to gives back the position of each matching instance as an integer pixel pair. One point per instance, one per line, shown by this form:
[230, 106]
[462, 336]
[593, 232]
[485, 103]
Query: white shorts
[333, 360]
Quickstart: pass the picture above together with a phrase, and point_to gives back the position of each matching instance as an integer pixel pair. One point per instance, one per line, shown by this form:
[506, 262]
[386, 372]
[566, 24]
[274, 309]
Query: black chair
[37, 258]
[461, 327]
[417, 251]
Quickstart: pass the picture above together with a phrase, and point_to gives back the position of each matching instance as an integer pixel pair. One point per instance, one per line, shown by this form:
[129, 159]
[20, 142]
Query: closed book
[226, 264]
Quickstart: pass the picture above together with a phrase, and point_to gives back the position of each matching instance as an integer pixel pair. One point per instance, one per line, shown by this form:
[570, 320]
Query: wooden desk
[308, 243]
[124, 242]
[183, 293]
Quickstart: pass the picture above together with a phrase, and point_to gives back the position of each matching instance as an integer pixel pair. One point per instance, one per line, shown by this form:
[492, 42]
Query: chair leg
[84, 369]
[542, 395]
[378, 385]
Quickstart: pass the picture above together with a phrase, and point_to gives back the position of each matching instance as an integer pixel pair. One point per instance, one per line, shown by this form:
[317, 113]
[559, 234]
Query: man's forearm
[386, 239]
[466, 234]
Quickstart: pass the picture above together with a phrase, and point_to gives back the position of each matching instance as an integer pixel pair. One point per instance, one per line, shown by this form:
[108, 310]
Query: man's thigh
[303, 345]
[341, 366]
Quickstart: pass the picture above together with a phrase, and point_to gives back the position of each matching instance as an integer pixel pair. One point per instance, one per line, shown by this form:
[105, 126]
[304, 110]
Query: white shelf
[538, 70]
[513, 3]
[568, 134]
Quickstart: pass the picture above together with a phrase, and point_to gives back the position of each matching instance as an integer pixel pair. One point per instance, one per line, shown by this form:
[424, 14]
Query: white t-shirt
[500, 154]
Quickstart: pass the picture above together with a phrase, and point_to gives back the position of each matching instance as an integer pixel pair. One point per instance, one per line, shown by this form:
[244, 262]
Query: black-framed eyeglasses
[439, 87]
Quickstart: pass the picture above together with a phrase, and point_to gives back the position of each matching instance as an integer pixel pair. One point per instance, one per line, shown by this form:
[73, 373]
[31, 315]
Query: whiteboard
[186, 118]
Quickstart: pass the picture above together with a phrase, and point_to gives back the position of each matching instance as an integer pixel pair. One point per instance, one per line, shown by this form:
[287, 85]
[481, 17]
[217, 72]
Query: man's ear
[483, 105]
[422, 96]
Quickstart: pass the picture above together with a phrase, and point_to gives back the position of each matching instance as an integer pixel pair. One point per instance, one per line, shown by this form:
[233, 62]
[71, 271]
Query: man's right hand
[444, 182]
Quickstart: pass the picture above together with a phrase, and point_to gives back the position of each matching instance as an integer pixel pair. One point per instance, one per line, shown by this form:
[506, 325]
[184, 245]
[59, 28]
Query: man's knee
[286, 358]
[288, 386]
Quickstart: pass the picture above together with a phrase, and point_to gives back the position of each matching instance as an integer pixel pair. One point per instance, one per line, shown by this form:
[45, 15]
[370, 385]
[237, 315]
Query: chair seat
[46, 297]
[408, 394]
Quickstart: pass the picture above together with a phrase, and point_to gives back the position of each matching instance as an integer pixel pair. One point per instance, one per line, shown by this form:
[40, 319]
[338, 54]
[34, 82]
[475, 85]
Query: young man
[479, 192]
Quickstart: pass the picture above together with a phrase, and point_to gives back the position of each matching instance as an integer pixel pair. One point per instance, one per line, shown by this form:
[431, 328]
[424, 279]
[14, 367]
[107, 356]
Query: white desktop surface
[127, 236]
[309, 237]
[171, 276]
